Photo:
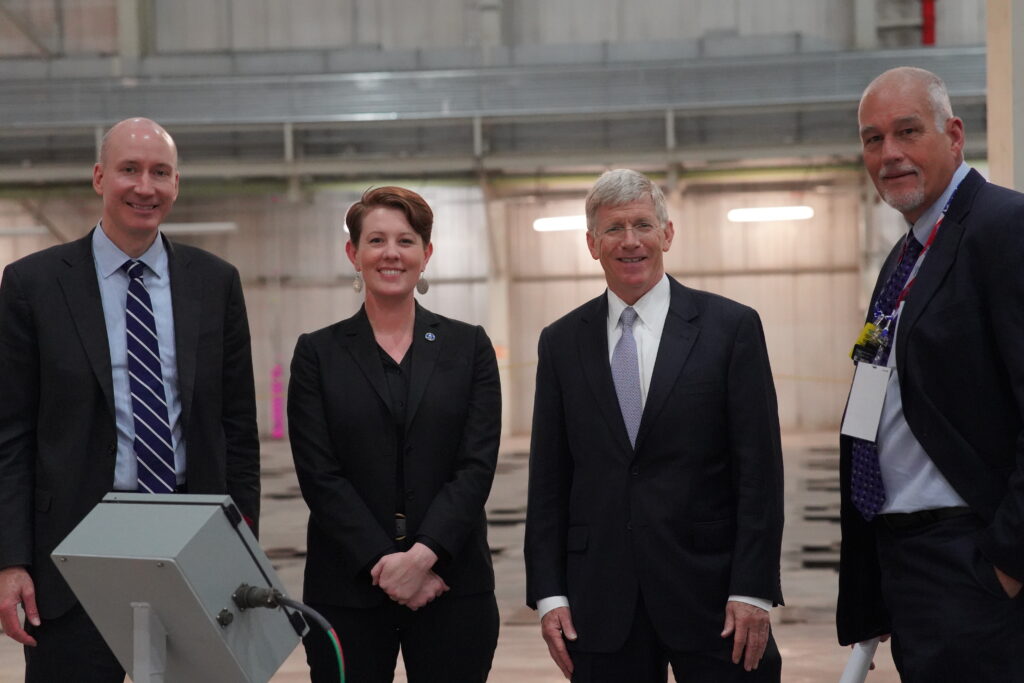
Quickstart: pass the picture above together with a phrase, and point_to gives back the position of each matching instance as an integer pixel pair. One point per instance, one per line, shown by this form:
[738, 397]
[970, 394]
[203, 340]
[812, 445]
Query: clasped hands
[408, 578]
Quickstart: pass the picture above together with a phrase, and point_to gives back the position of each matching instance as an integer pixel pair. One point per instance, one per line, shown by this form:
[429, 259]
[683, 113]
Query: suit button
[112, 450]
[635, 470]
[629, 526]
[409, 495]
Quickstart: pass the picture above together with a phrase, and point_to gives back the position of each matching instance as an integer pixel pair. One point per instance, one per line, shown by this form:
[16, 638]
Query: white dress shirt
[651, 309]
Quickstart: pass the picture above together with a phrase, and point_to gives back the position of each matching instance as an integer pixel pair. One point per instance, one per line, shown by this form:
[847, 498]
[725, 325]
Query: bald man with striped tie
[126, 366]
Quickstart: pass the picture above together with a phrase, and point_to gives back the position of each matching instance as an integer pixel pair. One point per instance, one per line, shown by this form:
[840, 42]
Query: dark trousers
[70, 649]
[451, 639]
[951, 618]
[645, 659]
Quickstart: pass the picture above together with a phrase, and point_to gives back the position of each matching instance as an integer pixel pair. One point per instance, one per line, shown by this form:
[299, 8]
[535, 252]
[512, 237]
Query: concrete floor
[804, 628]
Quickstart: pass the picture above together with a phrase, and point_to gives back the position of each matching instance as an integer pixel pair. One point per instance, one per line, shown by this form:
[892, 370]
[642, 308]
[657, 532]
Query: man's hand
[882, 638]
[432, 588]
[556, 626]
[749, 627]
[1010, 585]
[402, 575]
[16, 587]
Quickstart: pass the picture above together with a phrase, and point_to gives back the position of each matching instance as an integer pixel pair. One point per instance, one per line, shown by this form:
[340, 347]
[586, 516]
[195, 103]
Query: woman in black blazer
[394, 419]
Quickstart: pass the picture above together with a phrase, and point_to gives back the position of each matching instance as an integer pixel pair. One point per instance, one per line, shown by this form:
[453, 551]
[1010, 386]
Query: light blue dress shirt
[912, 481]
[113, 282]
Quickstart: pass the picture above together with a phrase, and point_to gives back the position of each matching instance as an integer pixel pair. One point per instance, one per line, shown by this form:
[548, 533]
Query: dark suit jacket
[58, 438]
[694, 514]
[960, 354]
[344, 443]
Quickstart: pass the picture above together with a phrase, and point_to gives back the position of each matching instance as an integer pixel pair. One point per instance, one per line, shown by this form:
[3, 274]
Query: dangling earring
[422, 285]
[357, 283]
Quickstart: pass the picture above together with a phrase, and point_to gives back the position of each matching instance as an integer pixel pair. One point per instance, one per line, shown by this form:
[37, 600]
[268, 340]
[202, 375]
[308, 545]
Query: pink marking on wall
[276, 402]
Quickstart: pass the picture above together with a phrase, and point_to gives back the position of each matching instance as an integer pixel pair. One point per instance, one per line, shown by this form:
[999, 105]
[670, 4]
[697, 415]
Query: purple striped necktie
[152, 444]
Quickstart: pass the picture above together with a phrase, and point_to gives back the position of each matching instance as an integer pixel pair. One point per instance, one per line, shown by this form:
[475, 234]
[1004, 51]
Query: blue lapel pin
[430, 336]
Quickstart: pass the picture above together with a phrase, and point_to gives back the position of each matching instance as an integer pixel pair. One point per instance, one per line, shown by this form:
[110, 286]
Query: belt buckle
[400, 530]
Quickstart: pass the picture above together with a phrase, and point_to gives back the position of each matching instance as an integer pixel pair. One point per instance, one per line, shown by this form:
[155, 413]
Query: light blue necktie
[152, 444]
[626, 375]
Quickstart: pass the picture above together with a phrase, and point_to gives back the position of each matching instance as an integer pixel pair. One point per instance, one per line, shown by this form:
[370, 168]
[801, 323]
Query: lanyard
[880, 329]
[928, 243]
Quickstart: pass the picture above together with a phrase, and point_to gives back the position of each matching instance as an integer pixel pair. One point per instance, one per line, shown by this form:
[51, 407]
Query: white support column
[865, 24]
[499, 293]
[149, 645]
[478, 137]
[294, 186]
[489, 13]
[670, 130]
[97, 133]
[1005, 66]
[129, 30]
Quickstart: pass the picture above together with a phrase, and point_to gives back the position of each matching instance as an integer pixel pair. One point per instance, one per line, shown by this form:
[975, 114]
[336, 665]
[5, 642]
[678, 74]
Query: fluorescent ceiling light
[765, 214]
[23, 231]
[210, 228]
[559, 223]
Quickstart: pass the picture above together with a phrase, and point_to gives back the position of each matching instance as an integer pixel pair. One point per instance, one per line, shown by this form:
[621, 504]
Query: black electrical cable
[247, 597]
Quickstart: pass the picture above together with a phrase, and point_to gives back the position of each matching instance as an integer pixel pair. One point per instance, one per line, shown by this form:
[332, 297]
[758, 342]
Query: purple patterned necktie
[626, 375]
[867, 491]
[152, 444]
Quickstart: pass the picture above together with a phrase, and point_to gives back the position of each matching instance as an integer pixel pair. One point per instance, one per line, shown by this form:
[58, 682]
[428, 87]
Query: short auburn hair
[413, 207]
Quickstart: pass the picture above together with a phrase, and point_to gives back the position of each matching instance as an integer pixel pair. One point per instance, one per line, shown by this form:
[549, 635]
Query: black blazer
[960, 354]
[344, 444]
[58, 438]
[694, 514]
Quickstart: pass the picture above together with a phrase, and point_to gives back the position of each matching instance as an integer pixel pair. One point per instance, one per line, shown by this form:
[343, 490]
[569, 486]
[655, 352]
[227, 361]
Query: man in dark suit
[654, 523]
[86, 329]
[933, 488]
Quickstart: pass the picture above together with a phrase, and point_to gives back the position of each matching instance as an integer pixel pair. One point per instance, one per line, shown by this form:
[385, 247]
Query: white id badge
[864, 408]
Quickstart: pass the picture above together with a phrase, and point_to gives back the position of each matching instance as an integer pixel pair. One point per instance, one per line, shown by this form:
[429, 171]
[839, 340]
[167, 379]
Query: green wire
[337, 653]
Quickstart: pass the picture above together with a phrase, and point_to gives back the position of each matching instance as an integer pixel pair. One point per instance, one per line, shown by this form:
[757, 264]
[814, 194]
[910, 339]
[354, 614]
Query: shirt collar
[923, 226]
[650, 307]
[110, 258]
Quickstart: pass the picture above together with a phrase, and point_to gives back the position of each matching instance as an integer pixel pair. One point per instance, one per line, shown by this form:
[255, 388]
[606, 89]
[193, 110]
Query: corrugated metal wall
[806, 278]
[180, 26]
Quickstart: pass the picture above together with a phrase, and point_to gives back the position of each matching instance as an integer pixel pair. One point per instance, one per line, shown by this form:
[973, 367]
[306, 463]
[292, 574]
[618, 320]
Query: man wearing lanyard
[932, 458]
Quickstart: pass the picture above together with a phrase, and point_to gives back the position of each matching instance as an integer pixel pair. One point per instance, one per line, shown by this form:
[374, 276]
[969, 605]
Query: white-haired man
[933, 489]
[654, 522]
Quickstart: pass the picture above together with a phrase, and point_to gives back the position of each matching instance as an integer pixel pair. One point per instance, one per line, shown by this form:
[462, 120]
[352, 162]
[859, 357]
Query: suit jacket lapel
[677, 340]
[186, 304]
[938, 260]
[357, 336]
[82, 293]
[424, 359]
[593, 348]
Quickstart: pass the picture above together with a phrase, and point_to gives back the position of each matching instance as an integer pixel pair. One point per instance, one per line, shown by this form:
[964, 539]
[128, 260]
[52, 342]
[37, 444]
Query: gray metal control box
[184, 555]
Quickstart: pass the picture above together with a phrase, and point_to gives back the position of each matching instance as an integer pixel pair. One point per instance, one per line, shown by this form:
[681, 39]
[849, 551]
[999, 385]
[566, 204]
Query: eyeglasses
[618, 232]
